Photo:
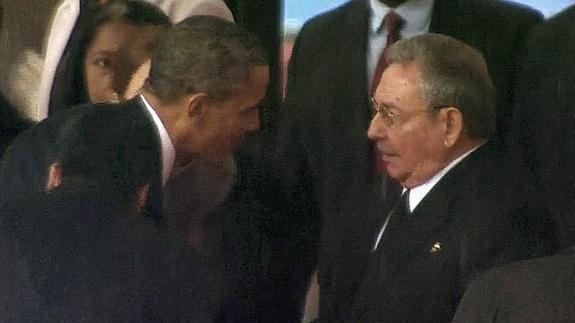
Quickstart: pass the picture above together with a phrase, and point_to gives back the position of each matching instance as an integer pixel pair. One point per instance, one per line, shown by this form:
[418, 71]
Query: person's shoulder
[493, 15]
[564, 17]
[541, 274]
[556, 27]
[502, 7]
[537, 290]
[325, 21]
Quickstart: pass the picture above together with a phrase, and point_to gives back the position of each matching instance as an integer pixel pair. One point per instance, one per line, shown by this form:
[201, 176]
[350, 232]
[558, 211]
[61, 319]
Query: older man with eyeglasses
[461, 211]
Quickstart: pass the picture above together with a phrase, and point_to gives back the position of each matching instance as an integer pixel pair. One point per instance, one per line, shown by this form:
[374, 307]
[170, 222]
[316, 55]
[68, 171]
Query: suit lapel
[410, 235]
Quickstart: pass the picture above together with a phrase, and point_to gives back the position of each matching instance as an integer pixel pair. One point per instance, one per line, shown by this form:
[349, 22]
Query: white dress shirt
[416, 194]
[168, 150]
[417, 16]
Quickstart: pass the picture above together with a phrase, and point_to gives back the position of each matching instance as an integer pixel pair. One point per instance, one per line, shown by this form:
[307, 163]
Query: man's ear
[54, 176]
[197, 104]
[453, 125]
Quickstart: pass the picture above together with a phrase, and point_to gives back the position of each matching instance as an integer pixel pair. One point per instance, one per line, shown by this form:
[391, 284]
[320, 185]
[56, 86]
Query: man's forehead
[398, 77]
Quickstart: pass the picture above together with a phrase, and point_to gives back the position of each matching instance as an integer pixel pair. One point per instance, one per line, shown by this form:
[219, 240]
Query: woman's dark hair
[69, 88]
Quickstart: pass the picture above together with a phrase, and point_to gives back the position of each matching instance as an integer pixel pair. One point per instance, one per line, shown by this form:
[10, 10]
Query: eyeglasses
[391, 118]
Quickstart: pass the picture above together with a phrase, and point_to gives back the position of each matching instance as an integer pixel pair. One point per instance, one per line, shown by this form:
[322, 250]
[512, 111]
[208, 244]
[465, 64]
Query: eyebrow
[102, 52]
[389, 106]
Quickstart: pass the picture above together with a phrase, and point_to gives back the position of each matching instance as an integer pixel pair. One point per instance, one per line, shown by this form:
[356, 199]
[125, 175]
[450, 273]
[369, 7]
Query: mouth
[387, 157]
[385, 154]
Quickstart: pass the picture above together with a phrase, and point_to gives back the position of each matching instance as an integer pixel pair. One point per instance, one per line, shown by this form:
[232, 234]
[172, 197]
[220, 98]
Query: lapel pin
[436, 247]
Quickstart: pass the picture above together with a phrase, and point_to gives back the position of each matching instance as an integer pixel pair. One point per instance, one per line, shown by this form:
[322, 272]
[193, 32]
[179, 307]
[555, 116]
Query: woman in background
[115, 41]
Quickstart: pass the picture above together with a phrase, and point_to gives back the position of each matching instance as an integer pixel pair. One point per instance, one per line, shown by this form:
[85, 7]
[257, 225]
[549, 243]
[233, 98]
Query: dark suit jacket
[537, 290]
[73, 255]
[545, 117]
[24, 167]
[324, 141]
[473, 219]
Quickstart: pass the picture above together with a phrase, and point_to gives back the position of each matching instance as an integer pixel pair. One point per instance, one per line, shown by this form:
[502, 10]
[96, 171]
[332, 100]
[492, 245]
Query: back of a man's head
[203, 54]
[95, 146]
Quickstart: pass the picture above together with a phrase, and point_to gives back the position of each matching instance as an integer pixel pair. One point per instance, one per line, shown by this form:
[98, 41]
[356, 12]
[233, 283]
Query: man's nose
[377, 129]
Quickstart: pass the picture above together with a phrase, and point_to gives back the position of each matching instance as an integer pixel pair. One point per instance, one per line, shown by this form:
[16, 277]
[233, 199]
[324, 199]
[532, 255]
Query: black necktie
[399, 212]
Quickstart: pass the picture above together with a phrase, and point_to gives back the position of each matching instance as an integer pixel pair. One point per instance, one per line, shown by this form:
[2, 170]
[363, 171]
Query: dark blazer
[537, 290]
[326, 114]
[545, 117]
[24, 166]
[473, 219]
[74, 255]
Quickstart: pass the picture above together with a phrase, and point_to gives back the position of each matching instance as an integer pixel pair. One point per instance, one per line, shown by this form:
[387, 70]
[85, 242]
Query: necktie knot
[392, 24]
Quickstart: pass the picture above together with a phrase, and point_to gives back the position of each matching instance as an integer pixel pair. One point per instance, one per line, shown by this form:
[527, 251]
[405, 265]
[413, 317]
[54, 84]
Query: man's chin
[392, 172]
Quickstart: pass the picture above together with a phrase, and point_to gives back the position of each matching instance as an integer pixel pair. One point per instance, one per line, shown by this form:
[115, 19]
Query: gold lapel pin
[436, 247]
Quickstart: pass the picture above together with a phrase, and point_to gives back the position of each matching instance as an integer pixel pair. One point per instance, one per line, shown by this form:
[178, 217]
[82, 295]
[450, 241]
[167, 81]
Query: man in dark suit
[82, 250]
[544, 123]
[206, 80]
[537, 290]
[327, 108]
[435, 114]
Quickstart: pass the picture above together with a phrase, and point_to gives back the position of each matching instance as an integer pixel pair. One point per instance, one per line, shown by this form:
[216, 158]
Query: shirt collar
[416, 194]
[416, 13]
[168, 150]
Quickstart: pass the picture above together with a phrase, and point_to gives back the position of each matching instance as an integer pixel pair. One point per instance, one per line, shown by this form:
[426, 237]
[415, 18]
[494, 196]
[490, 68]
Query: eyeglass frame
[388, 115]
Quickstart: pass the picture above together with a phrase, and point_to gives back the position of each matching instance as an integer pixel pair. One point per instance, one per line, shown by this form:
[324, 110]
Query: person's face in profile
[408, 133]
[223, 124]
[117, 50]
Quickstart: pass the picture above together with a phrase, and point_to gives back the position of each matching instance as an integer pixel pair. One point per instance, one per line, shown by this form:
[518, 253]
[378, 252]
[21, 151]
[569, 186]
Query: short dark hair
[203, 54]
[94, 144]
[452, 73]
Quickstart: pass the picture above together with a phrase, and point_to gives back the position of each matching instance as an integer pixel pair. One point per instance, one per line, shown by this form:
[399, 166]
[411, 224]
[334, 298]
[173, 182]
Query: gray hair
[454, 74]
[203, 54]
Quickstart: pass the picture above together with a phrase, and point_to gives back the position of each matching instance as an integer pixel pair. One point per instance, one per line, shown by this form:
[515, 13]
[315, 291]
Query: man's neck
[432, 169]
